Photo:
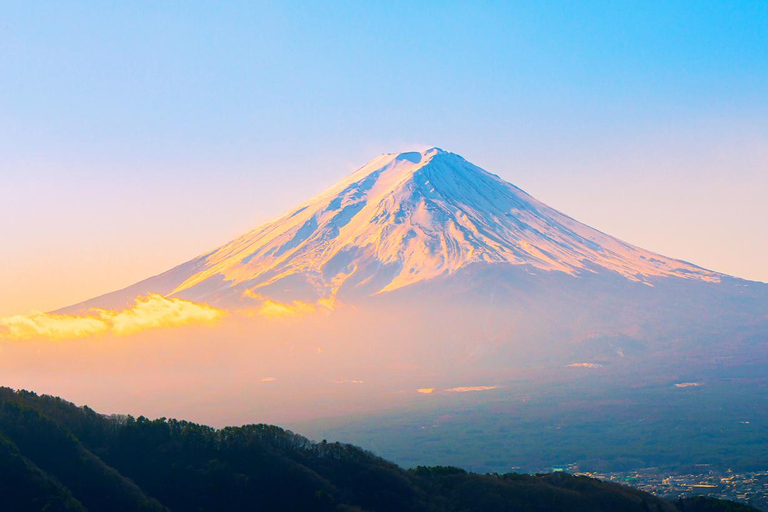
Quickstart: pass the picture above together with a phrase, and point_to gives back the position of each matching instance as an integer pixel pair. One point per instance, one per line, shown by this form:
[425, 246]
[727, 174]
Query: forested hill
[56, 457]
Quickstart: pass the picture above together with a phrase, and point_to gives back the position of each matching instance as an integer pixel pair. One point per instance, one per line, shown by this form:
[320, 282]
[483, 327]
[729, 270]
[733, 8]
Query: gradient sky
[136, 135]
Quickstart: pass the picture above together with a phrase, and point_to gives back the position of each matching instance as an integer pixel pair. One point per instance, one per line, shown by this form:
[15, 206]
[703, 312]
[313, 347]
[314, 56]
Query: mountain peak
[418, 158]
[393, 169]
[431, 151]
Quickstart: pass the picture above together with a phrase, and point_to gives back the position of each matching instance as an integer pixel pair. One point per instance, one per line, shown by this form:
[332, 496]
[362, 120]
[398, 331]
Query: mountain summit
[401, 219]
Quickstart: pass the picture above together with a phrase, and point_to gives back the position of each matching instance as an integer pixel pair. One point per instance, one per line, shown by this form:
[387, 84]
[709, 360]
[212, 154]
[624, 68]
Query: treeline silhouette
[57, 457]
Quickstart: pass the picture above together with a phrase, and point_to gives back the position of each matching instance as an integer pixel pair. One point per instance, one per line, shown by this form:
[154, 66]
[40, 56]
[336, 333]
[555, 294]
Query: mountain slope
[25, 487]
[398, 220]
[54, 455]
[186, 466]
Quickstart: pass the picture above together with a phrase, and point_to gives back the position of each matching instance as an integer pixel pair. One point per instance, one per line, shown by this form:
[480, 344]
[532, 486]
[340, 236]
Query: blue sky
[126, 124]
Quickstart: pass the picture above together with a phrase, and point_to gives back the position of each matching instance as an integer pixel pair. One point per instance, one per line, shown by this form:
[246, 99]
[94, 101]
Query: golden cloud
[48, 325]
[584, 365]
[274, 309]
[471, 389]
[147, 313]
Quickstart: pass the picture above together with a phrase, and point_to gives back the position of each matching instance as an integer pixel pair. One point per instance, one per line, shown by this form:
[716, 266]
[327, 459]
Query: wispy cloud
[274, 309]
[584, 365]
[152, 311]
[148, 312]
[688, 384]
[470, 389]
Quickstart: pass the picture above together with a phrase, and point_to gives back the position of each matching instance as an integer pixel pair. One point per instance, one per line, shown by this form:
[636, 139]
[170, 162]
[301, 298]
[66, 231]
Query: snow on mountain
[398, 220]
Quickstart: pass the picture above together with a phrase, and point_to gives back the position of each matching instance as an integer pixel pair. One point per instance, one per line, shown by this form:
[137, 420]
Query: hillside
[55, 456]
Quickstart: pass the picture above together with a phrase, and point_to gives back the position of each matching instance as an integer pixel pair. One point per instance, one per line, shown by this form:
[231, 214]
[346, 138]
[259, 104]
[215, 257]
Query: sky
[137, 135]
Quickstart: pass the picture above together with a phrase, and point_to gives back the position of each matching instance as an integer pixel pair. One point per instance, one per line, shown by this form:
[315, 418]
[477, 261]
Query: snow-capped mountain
[403, 219]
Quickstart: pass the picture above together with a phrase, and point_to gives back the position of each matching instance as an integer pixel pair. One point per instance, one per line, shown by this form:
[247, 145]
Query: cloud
[273, 309]
[470, 389]
[688, 384]
[47, 325]
[148, 312]
[462, 389]
[585, 365]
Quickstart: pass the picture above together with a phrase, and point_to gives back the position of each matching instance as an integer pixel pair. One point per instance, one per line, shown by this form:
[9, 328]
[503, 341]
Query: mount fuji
[480, 271]
[399, 220]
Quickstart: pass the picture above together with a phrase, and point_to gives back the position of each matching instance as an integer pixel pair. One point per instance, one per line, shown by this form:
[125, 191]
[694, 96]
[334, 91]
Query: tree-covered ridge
[55, 456]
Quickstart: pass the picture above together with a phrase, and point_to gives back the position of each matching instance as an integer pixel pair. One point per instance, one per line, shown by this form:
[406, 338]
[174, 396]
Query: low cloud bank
[148, 312]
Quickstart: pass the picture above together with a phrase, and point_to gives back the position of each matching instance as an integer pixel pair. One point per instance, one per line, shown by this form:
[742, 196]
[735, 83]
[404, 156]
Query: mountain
[57, 457]
[399, 220]
[486, 277]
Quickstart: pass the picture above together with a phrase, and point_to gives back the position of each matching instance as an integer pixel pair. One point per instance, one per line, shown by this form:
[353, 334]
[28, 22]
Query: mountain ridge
[58, 457]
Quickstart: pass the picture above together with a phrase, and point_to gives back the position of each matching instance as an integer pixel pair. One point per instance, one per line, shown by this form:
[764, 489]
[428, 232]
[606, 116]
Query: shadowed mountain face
[58, 457]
